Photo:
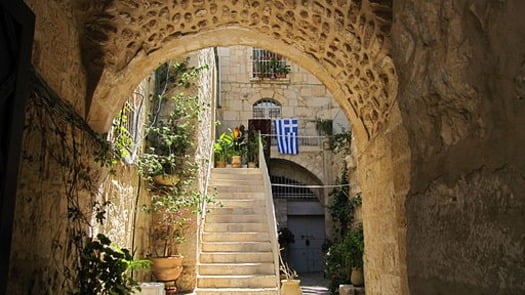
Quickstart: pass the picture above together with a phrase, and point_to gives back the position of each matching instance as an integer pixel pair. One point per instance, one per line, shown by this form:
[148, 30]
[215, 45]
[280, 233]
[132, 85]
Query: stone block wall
[58, 182]
[301, 94]
[56, 51]
[466, 205]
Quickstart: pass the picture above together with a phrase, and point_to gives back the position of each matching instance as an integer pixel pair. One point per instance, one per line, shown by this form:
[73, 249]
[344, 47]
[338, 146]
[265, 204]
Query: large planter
[357, 278]
[291, 287]
[166, 269]
[220, 164]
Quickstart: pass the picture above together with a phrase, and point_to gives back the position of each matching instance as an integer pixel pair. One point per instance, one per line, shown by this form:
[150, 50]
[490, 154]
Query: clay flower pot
[166, 269]
[291, 287]
[236, 162]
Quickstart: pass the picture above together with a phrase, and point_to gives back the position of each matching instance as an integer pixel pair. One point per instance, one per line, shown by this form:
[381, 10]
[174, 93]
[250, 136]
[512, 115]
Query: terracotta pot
[220, 164]
[357, 278]
[252, 165]
[236, 162]
[166, 180]
[291, 287]
[167, 269]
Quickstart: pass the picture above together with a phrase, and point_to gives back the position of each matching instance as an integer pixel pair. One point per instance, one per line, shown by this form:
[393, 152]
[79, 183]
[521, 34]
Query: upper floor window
[266, 109]
[266, 64]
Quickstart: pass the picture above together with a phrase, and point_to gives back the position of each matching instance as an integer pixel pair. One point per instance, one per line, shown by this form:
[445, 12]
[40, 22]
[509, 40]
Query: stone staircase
[236, 252]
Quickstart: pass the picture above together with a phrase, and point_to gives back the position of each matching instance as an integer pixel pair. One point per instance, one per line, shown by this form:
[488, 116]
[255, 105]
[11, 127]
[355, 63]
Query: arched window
[266, 109]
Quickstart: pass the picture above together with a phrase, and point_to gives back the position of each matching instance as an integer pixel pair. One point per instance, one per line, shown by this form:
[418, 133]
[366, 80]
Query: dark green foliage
[104, 269]
[344, 255]
[285, 236]
[341, 208]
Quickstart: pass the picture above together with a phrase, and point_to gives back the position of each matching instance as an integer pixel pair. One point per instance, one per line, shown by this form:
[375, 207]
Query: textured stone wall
[461, 95]
[56, 51]
[58, 182]
[301, 95]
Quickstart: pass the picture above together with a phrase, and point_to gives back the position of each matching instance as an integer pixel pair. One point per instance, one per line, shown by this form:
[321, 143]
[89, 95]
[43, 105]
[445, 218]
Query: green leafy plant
[354, 245]
[340, 207]
[324, 126]
[169, 150]
[224, 147]
[253, 146]
[346, 249]
[170, 138]
[173, 209]
[342, 256]
[105, 268]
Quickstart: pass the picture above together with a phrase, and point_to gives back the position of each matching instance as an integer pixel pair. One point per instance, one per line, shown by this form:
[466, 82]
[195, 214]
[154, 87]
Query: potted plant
[169, 152]
[172, 210]
[170, 137]
[239, 146]
[282, 70]
[290, 285]
[223, 149]
[105, 268]
[253, 149]
[354, 242]
[285, 237]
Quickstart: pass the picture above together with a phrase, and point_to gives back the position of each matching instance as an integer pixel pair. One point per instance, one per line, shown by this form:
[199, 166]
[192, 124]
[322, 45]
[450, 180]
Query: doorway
[305, 254]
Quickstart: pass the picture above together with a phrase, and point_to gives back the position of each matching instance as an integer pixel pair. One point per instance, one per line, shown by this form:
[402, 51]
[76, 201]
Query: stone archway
[344, 44]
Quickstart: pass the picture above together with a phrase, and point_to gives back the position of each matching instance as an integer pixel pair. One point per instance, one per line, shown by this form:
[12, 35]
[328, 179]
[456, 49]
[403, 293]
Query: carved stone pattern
[349, 38]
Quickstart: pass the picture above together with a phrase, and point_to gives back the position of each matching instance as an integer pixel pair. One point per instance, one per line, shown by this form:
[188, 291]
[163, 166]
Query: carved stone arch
[343, 43]
[302, 164]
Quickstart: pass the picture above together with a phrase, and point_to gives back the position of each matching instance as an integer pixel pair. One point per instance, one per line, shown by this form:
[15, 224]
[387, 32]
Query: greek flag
[286, 131]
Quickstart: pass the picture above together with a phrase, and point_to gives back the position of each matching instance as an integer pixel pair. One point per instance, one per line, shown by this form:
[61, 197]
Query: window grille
[286, 188]
[125, 130]
[266, 109]
[267, 64]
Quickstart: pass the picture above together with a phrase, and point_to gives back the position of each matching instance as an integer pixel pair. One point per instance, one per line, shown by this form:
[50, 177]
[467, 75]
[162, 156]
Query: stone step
[236, 268]
[228, 218]
[233, 180]
[235, 257]
[237, 211]
[240, 291]
[225, 196]
[235, 236]
[236, 171]
[236, 281]
[239, 203]
[236, 247]
[254, 187]
[235, 227]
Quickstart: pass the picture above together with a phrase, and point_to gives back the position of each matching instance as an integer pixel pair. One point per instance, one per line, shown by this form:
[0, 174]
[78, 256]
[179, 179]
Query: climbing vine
[63, 158]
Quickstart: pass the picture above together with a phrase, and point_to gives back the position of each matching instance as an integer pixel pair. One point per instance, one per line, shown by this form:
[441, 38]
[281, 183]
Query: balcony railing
[304, 140]
[314, 141]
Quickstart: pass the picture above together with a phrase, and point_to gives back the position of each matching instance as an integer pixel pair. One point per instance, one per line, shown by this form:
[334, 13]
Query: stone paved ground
[314, 283]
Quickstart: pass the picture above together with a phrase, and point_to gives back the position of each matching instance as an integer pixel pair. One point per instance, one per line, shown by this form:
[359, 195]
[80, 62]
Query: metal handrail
[303, 140]
[202, 217]
[272, 221]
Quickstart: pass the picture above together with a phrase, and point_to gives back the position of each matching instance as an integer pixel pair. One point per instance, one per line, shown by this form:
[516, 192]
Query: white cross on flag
[286, 131]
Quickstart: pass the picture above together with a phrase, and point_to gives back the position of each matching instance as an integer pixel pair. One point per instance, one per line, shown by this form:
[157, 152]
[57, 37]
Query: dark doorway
[16, 38]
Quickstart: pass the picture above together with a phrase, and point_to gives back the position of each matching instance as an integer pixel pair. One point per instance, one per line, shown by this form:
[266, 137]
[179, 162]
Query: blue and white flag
[286, 131]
